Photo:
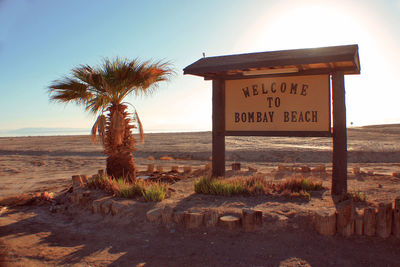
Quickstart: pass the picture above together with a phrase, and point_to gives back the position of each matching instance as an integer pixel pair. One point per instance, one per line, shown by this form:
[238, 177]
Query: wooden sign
[279, 104]
[281, 93]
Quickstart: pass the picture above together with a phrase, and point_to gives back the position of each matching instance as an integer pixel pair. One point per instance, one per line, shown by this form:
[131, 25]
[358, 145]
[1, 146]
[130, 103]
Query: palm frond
[140, 127]
[69, 90]
[100, 127]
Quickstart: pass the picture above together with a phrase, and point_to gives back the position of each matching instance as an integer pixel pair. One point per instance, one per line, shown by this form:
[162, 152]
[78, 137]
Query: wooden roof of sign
[308, 61]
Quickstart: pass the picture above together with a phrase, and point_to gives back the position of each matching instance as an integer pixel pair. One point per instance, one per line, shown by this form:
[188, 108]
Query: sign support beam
[218, 128]
[339, 160]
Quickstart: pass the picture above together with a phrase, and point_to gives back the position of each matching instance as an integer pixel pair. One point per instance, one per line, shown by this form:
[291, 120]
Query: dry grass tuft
[256, 185]
[151, 191]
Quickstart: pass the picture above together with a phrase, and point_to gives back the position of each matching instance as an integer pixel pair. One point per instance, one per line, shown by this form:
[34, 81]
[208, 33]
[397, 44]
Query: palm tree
[101, 91]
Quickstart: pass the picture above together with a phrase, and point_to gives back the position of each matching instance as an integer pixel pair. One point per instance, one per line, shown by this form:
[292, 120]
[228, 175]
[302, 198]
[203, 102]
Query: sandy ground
[32, 236]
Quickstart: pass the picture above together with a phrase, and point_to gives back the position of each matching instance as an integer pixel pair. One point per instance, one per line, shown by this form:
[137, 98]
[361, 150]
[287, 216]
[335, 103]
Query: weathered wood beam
[218, 128]
[339, 160]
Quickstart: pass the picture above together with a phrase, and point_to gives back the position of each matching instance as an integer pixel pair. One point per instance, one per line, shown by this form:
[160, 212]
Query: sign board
[248, 99]
[279, 104]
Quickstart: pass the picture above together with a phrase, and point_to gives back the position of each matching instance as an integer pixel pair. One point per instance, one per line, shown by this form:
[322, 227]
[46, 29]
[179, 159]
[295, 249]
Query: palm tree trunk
[119, 144]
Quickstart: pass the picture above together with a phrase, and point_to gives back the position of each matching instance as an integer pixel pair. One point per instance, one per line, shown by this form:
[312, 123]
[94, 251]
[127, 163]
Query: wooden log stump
[369, 221]
[356, 171]
[174, 168]
[96, 206]
[76, 180]
[252, 169]
[84, 178]
[384, 220]
[208, 166]
[177, 217]
[166, 215]
[359, 223]
[159, 169]
[396, 174]
[150, 167]
[211, 217]
[320, 168]
[192, 219]
[251, 219]
[187, 169]
[229, 222]
[236, 166]
[345, 218]
[154, 215]
[396, 218]
[325, 222]
[305, 169]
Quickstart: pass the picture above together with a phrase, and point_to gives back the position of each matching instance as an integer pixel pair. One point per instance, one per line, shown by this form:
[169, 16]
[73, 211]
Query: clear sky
[42, 40]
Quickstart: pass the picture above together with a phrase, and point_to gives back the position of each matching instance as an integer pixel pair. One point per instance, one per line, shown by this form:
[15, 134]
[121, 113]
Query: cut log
[345, 218]
[236, 166]
[252, 169]
[211, 217]
[96, 206]
[154, 215]
[369, 221]
[174, 168]
[193, 219]
[187, 169]
[229, 222]
[177, 217]
[76, 180]
[150, 168]
[325, 221]
[166, 215]
[305, 169]
[118, 207]
[396, 218]
[251, 219]
[359, 223]
[208, 166]
[84, 178]
[396, 174]
[320, 168]
[105, 206]
[384, 220]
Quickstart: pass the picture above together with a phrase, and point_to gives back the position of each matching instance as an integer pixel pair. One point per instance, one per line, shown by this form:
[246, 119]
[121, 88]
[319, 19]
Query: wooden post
[218, 128]
[339, 170]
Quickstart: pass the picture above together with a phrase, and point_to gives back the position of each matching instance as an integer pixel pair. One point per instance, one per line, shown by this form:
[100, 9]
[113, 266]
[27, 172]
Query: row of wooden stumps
[250, 220]
[188, 169]
[175, 168]
[346, 221]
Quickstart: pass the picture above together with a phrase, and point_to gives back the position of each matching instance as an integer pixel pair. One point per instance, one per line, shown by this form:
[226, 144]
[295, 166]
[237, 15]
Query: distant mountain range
[44, 131]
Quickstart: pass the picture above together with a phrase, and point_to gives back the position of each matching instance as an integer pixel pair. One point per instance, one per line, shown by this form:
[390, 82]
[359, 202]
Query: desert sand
[33, 236]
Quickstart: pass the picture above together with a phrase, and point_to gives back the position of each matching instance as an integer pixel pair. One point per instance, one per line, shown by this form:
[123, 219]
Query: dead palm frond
[99, 127]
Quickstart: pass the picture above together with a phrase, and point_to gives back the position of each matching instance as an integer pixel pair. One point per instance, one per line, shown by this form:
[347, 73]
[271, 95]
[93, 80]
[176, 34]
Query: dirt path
[35, 237]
